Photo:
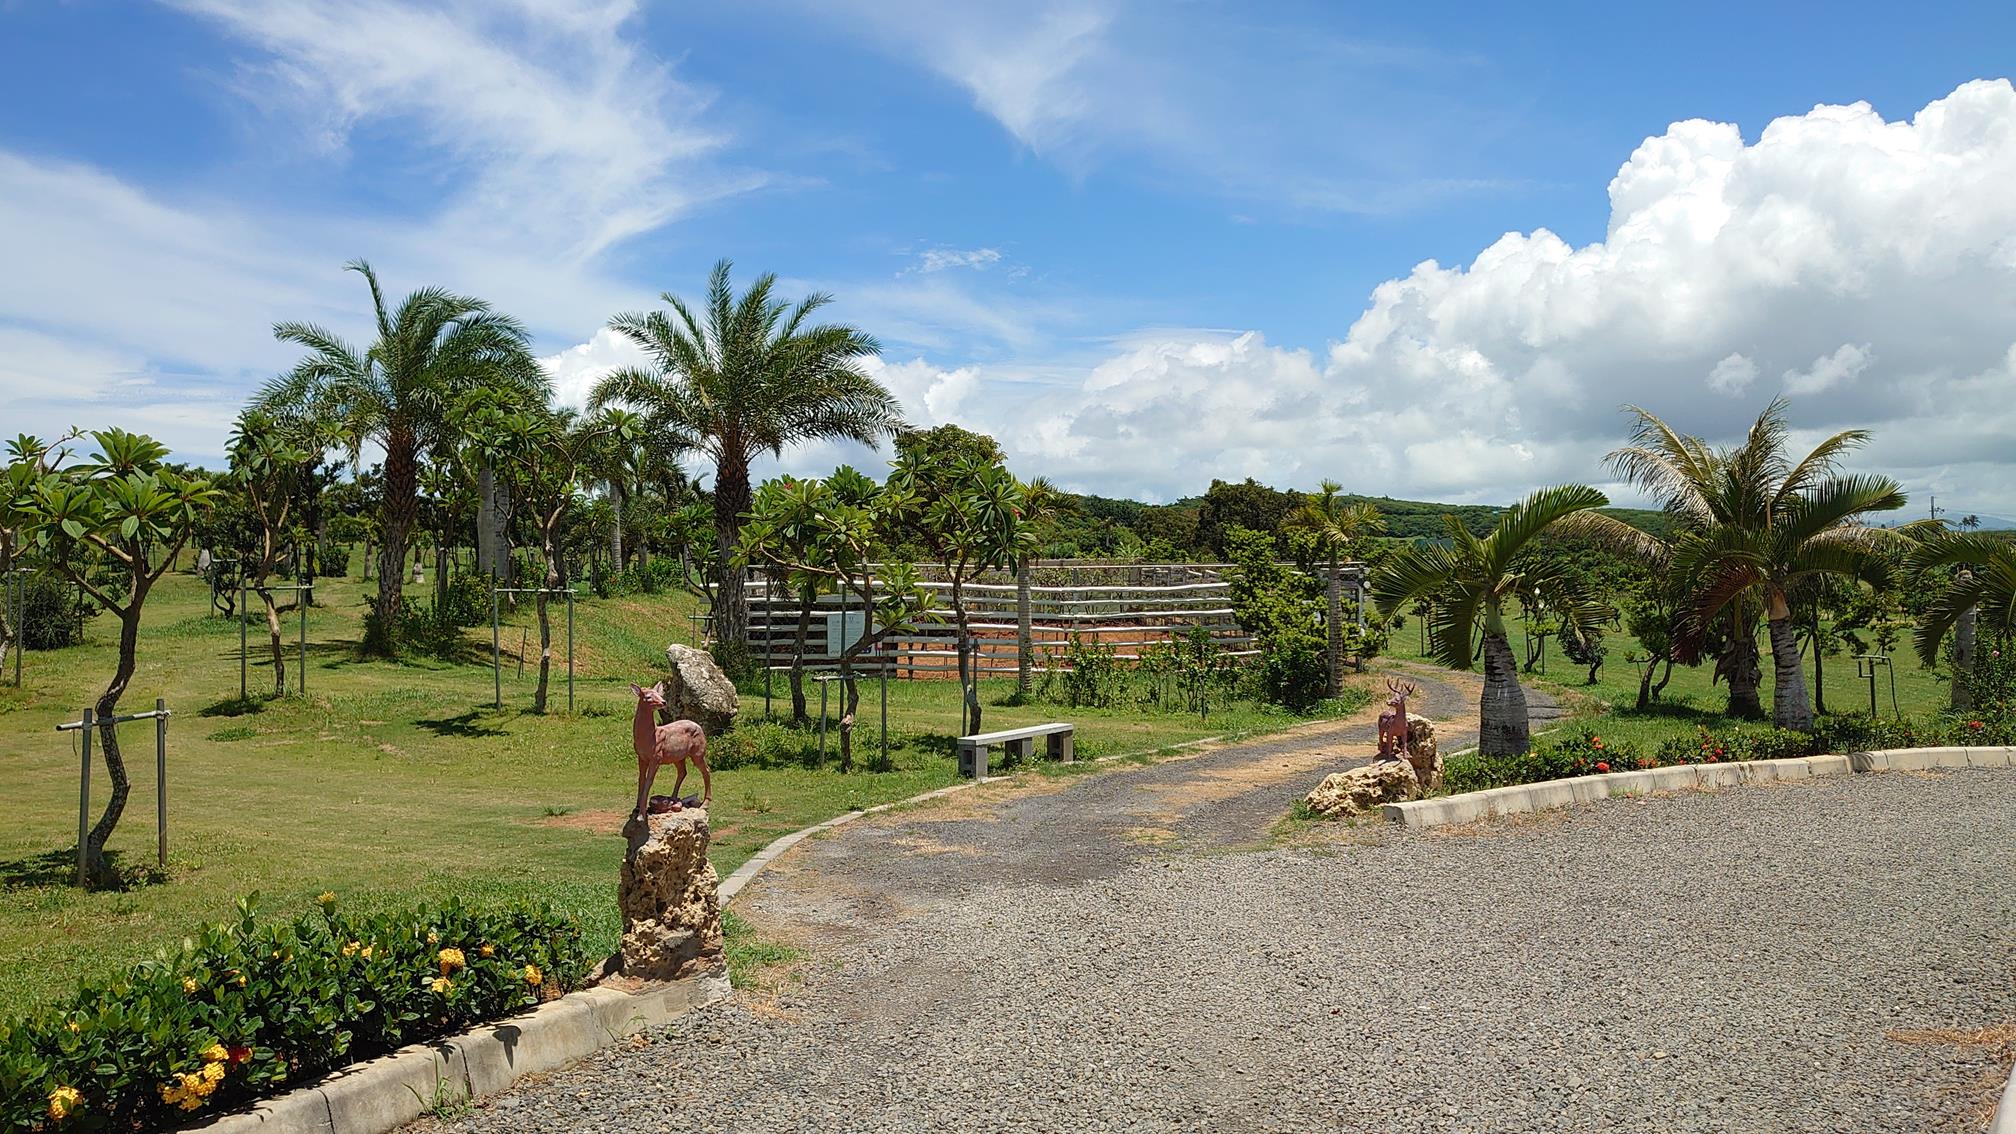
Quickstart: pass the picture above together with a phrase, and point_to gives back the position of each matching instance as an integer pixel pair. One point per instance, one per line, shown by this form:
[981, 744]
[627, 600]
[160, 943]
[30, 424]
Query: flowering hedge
[249, 1009]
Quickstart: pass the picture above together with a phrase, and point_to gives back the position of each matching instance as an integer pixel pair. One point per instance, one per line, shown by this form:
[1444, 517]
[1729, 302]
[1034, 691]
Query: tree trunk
[1333, 617]
[1741, 668]
[731, 601]
[1819, 664]
[1963, 652]
[278, 651]
[401, 507]
[847, 695]
[1025, 642]
[549, 535]
[1645, 684]
[1501, 711]
[799, 714]
[616, 526]
[1789, 705]
[98, 871]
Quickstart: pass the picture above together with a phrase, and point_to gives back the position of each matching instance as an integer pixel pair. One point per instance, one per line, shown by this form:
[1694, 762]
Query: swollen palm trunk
[1739, 667]
[1963, 657]
[1789, 706]
[1501, 712]
[1334, 631]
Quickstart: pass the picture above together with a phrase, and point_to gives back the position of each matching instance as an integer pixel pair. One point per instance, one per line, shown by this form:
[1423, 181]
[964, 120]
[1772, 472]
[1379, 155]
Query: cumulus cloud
[1867, 261]
[575, 371]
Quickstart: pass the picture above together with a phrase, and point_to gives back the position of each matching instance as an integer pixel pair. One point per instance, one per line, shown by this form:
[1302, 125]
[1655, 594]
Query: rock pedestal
[1362, 789]
[671, 914]
[1422, 753]
[698, 691]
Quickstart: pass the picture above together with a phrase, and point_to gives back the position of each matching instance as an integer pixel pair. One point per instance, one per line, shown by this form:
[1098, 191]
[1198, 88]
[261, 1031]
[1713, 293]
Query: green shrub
[52, 611]
[1581, 754]
[248, 1009]
[1293, 671]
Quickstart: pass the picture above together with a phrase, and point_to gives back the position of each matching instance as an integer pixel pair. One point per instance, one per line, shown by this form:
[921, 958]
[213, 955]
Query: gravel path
[1727, 962]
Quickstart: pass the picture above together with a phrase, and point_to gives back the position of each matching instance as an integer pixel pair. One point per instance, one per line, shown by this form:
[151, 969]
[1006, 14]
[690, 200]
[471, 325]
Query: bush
[332, 561]
[464, 602]
[1582, 754]
[246, 1009]
[1095, 677]
[53, 612]
[1294, 671]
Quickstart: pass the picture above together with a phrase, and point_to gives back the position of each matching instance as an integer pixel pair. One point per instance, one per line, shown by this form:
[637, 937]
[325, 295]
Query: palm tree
[397, 394]
[1472, 583]
[742, 377]
[1983, 580]
[617, 461]
[1337, 528]
[1753, 525]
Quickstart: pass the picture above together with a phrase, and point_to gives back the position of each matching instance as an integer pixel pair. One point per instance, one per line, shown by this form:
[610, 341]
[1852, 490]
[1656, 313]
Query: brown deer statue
[1393, 722]
[657, 744]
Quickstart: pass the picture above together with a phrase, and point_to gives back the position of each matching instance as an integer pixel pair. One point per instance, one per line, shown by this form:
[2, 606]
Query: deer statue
[657, 744]
[1393, 722]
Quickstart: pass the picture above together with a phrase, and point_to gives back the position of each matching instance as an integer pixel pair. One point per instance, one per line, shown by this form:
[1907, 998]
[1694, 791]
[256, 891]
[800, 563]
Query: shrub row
[1587, 753]
[248, 1009]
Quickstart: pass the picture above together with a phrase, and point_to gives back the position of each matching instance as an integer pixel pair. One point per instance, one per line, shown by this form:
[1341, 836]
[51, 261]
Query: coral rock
[698, 691]
[1422, 753]
[1364, 788]
[671, 913]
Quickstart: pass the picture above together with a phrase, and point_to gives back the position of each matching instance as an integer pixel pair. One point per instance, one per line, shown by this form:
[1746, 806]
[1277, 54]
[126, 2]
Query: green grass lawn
[393, 782]
[1692, 698]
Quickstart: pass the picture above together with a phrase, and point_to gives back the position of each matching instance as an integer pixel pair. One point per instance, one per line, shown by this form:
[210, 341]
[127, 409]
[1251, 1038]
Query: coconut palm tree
[1754, 524]
[740, 377]
[1473, 584]
[1337, 527]
[1983, 583]
[397, 394]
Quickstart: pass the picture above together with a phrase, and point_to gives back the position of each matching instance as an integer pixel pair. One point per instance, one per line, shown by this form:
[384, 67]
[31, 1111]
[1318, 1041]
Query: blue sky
[1144, 244]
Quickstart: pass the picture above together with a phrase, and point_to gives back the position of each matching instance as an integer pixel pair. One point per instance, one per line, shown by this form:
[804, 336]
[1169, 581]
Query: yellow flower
[367, 952]
[75, 1027]
[189, 985]
[533, 976]
[350, 950]
[241, 980]
[63, 1101]
[488, 951]
[213, 1073]
[215, 1053]
[441, 985]
[326, 898]
[451, 959]
[433, 938]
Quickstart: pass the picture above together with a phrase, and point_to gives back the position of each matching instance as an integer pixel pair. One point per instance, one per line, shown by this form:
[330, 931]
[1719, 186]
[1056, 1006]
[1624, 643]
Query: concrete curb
[393, 1090]
[2004, 1121]
[1473, 806]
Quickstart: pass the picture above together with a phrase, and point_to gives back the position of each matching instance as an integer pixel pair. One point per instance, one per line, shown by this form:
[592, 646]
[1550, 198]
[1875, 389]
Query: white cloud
[1733, 375]
[1829, 370]
[575, 371]
[1869, 262]
[939, 259]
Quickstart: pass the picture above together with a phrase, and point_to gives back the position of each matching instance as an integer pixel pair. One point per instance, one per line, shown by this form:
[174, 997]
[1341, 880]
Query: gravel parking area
[1734, 961]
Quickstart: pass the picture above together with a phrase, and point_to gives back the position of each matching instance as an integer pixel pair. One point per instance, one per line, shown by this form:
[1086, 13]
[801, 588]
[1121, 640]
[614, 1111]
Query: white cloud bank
[1871, 265]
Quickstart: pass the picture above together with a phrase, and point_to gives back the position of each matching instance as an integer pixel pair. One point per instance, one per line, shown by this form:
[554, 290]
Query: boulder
[698, 691]
[1422, 753]
[671, 912]
[1363, 788]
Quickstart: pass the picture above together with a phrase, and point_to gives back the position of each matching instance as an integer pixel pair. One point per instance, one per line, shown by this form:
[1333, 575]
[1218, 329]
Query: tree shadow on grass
[464, 725]
[59, 868]
[235, 706]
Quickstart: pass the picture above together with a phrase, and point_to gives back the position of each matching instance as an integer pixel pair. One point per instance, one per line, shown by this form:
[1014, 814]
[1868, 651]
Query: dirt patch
[603, 821]
[1998, 1042]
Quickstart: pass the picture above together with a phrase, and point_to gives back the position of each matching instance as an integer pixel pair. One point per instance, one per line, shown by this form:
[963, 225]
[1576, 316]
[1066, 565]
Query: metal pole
[301, 604]
[885, 712]
[84, 796]
[823, 685]
[242, 646]
[161, 782]
[570, 649]
[496, 657]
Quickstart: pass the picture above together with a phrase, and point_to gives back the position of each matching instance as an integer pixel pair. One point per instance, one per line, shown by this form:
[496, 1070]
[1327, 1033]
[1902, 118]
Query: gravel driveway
[1731, 961]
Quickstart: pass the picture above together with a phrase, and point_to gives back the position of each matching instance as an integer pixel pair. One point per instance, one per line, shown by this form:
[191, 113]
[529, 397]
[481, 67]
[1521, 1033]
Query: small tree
[806, 527]
[266, 466]
[1338, 529]
[126, 510]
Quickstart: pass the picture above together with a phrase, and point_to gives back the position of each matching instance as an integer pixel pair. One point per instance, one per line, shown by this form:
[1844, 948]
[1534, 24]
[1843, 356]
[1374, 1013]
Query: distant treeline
[1196, 527]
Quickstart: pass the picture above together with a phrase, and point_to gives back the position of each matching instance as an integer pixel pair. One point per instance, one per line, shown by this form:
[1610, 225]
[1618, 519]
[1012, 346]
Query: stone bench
[1020, 744]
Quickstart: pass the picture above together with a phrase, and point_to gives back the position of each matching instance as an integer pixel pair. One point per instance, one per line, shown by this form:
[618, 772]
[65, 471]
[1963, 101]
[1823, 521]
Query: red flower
[1602, 765]
[1711, 758]
[1973, 724]
[1596, 742]
[238, 1053]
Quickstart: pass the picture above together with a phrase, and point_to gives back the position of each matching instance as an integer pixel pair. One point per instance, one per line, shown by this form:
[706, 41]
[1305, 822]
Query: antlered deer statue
[657, 744]
[1393, 722]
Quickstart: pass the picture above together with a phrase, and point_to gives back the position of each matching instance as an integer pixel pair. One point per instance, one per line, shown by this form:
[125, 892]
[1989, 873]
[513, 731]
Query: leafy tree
[806, 527]
[618, 461]
[1042, 505]
[123, 509]
[266, 466]
[1754, 524]
[1278, 605]
[1980, 584]
[398, 393]
[1472, 585]
[742, 377]
[1250, 505]
[1338, 530]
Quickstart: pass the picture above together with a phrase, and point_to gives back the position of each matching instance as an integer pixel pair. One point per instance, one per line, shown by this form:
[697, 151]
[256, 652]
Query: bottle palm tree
[1337, 528]
[397, 394]
[1753, 525]
[1473, 584]
[1983, 580]
[746, 376]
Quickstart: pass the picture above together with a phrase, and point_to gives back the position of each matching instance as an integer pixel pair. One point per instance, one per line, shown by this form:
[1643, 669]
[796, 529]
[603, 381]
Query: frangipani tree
[809, 528]
[1473, 585]
[123, 509]
[266, 467]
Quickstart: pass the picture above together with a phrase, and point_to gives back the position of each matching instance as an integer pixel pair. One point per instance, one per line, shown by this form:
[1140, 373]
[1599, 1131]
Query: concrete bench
[1020, 744]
